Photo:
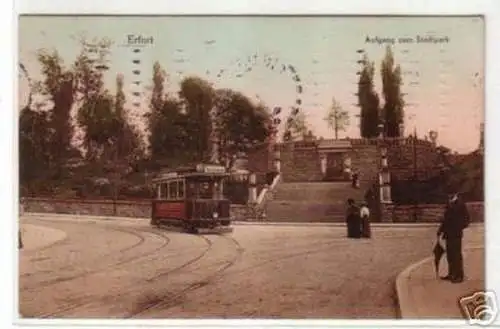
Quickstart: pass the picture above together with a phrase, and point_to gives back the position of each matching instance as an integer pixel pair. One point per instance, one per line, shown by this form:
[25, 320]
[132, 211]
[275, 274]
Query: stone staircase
[310, 202]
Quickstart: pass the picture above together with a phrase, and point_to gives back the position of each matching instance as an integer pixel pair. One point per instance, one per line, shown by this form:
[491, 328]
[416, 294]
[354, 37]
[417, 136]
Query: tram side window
[180, 189]
[163, 191]
[172, 190]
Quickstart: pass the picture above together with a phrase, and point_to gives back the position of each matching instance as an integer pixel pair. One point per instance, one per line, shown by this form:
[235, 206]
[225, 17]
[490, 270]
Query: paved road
[125, 268]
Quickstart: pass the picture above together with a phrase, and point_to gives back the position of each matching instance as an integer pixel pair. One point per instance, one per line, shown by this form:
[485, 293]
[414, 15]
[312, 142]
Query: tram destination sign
[210, 169]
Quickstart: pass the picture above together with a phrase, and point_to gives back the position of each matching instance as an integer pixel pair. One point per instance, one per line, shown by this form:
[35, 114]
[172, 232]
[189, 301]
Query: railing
[263, 195]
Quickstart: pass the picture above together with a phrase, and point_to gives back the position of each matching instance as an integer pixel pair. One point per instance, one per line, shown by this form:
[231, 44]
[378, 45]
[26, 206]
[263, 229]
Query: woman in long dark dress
[353, 220]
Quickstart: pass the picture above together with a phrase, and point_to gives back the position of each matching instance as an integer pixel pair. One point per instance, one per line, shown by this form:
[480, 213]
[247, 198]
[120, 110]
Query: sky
[442, 79]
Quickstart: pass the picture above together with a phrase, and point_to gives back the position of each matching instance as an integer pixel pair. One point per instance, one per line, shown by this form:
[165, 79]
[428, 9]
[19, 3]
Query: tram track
[91, 300]
[47, 283]
[277, 258]
[184, 265]
[140, 241]
[176, 298]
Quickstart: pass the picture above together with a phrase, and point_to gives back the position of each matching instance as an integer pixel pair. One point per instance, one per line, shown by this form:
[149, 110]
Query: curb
[337, 224]
[59, 235]
[241, 223]
[406, 304]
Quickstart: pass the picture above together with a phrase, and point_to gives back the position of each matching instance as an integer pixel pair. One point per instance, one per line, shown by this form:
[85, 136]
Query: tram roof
[199, 170]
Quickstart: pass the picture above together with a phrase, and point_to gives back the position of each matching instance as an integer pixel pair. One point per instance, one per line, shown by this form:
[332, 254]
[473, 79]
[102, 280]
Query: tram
[192, 198]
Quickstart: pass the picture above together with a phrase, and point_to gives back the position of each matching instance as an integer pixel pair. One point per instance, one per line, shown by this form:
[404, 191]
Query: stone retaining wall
[133, 208]
[426, 213]
[300, 160]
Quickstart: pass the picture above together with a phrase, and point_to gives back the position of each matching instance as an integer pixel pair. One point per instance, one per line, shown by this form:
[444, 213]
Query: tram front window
[204, 190]
[218, 192]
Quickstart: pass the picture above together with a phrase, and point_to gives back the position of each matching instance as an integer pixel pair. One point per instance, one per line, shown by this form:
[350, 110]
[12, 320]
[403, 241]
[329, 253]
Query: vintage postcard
[235, 167]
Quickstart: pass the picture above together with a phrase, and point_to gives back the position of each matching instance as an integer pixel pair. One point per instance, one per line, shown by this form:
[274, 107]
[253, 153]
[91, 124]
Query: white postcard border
[8, 131]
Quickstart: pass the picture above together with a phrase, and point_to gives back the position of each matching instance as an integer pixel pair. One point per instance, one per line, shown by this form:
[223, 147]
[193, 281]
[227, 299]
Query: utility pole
[415, 178]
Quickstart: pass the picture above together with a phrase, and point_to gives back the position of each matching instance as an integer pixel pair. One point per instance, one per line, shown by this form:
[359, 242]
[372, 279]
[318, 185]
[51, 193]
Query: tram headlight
[215, 215]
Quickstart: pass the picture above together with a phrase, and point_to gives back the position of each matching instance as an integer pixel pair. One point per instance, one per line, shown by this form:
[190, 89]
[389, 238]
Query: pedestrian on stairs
[355, 180]
[364, 212]
[353, 220]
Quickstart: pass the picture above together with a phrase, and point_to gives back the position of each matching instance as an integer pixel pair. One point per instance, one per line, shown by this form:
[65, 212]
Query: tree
[100, 123]
[35, 137]
[34, 86]
[89, 70]
[368, 101]
[337, 118]
[393, 112]
[128, 141]
[58, 86]
[158, 89]
[240, 124]
[295, 127]
[171, 143]
[154, 116]
[198, 97]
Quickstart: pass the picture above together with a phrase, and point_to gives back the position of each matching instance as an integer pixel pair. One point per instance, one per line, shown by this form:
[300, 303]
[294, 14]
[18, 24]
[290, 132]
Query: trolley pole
[214, 138]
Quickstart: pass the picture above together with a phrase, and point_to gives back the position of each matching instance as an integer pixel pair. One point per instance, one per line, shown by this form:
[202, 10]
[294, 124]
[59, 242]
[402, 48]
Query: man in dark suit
[456, 219]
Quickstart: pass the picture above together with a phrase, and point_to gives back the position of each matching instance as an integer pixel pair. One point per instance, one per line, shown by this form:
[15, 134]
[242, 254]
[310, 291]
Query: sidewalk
[37, 236]
[422, 295]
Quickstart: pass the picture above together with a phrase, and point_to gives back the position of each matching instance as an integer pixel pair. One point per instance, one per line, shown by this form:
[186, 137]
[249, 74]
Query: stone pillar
[433, 135]
[277, 161]
[323, 159]
[384, 163]
[158, 191]
[348, 166]
[401, 130]
[381, 130]
[384, 178]
[252, 189]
